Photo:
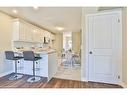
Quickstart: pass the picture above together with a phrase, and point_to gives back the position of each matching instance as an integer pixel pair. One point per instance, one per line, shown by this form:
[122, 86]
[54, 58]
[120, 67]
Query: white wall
[5, 41]
[58, 45]
[76, 41]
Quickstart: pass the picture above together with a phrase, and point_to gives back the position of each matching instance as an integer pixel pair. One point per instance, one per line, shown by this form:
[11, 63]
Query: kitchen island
[45, 67]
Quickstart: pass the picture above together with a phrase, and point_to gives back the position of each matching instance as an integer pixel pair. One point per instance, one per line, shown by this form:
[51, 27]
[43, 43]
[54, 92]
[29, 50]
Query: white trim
[120, 33]
[5, 73]
[105, 12]
[87, 50]
[119, 11]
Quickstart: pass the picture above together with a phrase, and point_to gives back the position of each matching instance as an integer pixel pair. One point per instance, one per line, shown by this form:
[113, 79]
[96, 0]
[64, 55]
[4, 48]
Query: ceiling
[50, 17]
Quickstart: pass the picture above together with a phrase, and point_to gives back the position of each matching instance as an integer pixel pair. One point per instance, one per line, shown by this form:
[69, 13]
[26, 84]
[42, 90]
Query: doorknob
[90, 52]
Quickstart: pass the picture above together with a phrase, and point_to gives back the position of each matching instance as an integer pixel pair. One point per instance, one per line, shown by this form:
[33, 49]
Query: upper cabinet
[37, 35]
[52, 37]
[23, 31]
[28, 32]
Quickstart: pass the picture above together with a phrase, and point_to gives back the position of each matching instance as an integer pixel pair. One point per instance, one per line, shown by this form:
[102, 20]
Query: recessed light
[35, 31]
[35, 7]
[14, 11]
[59, 28]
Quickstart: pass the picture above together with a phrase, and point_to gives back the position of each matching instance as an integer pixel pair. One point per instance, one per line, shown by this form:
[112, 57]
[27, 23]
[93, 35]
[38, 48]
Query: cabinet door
[22, 31]
[44, 65]
[45, 33]
[42, 36]
[39, 35]
[28, 33]
[36, 35]
[20, 66]
[37, 68]
[53, 37]
[28, 67]
[15, 30]
[52, 65]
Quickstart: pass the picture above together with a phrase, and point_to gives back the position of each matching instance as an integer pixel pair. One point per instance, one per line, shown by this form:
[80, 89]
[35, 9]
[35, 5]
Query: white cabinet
[52, 65]
[28, 67]
[20, 66]
[16, 33]
[45, 67]
[23, 31]
[42, 36]
[47, 34]
[52, 37]
[37, 35]
[28, 33]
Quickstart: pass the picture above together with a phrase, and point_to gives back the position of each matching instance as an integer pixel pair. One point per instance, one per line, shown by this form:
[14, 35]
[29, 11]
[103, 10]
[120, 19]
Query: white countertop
[38, 52]
[45, 52]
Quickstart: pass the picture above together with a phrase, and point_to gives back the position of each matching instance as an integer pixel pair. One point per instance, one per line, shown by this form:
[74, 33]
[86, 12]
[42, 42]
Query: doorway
[69, 66]
[104, 47]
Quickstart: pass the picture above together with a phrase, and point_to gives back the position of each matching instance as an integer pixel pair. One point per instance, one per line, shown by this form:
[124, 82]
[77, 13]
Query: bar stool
[10, 56]
[29, 56]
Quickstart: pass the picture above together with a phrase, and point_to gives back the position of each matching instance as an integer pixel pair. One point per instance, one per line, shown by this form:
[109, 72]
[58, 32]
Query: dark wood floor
[53, 83]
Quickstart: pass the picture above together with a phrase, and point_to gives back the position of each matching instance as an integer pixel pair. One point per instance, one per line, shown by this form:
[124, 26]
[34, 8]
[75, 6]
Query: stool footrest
[15, 77]
[34, 79]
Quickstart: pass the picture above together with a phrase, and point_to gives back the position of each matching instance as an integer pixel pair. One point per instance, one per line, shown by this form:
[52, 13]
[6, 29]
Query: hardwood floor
[53, 83]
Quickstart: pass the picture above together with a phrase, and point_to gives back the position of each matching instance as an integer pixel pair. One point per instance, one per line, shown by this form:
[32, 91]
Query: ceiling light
[35, 31]
[14, 11]
[35, 7]
[60, 28]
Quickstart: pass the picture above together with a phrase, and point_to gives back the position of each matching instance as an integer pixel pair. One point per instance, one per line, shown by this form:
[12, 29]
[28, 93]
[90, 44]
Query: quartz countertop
[45, 52]
[38, 51]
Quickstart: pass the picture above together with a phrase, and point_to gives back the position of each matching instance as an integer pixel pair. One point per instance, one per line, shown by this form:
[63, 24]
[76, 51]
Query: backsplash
[29, 45]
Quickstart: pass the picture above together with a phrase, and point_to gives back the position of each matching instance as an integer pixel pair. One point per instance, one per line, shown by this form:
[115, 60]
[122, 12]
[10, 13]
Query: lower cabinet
[28, 67]
[45, 67]
[20, 66]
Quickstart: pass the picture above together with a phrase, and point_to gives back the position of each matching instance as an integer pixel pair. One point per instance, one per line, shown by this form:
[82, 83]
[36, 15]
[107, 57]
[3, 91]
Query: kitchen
[35, 36]
[26, 35]
[29, 37]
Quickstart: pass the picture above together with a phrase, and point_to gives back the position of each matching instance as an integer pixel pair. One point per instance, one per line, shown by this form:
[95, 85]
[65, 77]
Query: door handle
[90, 52]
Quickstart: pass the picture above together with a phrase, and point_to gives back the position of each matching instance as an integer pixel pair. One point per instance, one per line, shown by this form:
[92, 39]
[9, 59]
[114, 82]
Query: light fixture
[59, 28]
[14, 11]
[35, 31]
[35, 7]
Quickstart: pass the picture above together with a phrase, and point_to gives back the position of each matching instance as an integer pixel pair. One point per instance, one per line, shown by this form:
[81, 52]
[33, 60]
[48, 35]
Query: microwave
[46, 40]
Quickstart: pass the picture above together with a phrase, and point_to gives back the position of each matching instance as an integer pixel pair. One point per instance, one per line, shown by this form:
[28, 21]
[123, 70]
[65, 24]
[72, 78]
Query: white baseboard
[124, 85]
[5, 73]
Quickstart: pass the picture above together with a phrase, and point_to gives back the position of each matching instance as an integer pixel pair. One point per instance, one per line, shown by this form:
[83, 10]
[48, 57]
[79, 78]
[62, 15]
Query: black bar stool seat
[10, 56]
[17, 58]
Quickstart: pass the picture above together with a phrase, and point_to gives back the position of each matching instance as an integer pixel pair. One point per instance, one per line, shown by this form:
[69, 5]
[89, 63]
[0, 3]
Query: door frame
[118, 11]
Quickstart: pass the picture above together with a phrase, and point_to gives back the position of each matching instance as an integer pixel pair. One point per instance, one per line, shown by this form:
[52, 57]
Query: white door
[104, 43]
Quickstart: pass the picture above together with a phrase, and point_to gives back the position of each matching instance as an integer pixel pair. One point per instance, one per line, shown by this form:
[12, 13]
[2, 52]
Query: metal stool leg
[34, 78]
[16, 76]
